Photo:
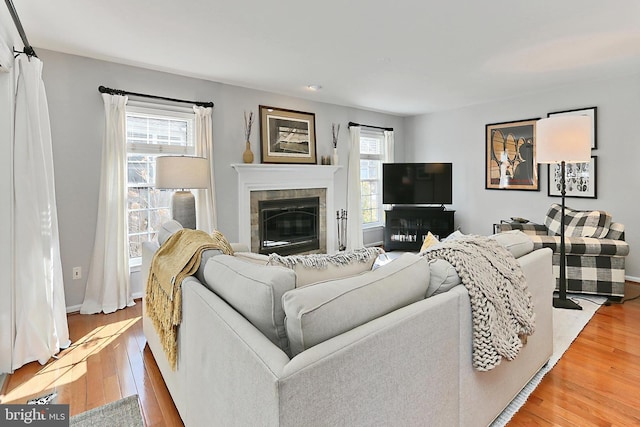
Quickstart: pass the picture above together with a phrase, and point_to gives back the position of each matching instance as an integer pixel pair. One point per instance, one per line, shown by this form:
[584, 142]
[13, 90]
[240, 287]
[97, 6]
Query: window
[151, 132]
[371, 159]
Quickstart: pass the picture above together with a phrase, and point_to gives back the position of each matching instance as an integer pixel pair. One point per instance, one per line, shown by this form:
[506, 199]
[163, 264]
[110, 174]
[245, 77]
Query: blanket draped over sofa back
[176, 259]
[502, 310]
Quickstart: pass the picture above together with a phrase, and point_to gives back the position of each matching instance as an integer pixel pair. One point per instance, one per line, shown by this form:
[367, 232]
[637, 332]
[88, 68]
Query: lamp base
[183, 208]
[565, 303]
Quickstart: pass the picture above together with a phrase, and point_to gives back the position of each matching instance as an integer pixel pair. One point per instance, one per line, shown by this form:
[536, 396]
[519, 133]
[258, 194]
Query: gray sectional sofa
[377, 353]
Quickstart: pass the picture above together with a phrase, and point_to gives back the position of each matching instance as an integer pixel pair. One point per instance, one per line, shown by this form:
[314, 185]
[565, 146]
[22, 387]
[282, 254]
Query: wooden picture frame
[510, 156]
[581, 179]
[287, 136]
[591, 112]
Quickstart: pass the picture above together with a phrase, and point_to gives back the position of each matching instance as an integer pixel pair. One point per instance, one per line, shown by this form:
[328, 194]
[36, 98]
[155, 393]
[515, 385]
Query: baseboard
[76, 308]
[632, 279]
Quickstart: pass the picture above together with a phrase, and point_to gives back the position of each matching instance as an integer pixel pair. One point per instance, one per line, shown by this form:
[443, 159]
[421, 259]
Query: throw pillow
[429, 240]
[322, 311]
[315, 268]
[515, 241]
[254, 291]
[167, 229]
[442, 277]
[578, 223]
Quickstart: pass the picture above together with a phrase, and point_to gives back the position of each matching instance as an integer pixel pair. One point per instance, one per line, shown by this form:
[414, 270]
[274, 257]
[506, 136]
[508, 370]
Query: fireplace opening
[289, 226]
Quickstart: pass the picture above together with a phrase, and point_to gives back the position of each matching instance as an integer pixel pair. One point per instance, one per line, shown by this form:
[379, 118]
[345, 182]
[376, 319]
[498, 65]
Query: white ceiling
[398, 56]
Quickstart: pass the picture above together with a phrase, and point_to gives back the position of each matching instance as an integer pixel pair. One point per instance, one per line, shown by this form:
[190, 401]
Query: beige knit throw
[176, 259]
[502, 311]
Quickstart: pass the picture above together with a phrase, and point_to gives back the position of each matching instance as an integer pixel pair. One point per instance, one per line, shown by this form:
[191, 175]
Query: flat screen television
[417, 183]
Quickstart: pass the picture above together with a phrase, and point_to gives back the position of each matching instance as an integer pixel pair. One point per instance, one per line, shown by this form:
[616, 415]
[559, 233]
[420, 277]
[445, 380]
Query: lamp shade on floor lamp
[563, 139]
[182, 173]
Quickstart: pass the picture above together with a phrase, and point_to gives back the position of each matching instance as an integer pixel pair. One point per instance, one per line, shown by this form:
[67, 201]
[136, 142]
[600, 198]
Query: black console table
[406, 227]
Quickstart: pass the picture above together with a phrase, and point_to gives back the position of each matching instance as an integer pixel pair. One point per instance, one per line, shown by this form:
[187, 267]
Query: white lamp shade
[182, 172]
[564, 138]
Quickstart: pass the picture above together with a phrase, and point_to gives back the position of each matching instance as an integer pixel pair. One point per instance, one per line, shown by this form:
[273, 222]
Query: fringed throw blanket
[176, 259]
[323, 260]
[502, 311]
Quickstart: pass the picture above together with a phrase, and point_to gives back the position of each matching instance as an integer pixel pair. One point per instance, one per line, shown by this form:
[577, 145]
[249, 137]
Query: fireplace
[289, 226]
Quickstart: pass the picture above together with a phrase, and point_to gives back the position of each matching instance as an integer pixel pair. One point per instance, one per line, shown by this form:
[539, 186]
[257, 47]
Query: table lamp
[182, 173]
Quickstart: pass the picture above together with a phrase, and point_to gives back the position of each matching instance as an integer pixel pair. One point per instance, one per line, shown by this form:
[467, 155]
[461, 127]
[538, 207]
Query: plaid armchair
[594, 245]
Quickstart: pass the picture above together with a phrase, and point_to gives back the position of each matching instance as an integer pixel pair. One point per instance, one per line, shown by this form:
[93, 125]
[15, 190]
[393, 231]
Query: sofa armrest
[529, 228]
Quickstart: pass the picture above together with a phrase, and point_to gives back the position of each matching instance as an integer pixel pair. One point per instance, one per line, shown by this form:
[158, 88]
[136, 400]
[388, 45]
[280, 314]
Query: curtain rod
[370, 126]
[16, 20]
[110, 91]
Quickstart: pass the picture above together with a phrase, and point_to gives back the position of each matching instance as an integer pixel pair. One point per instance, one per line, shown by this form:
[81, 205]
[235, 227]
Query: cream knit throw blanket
[501, 307]
[176, 259]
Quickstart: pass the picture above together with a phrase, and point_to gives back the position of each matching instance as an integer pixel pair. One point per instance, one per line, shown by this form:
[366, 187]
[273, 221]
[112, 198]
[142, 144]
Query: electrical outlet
[77, 273]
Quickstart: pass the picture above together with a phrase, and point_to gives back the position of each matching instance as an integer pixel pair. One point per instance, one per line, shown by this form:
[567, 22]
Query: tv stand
[407, 226]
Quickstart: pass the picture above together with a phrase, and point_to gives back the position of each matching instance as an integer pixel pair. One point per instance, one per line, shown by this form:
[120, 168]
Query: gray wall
[458, 136]
[77, 123]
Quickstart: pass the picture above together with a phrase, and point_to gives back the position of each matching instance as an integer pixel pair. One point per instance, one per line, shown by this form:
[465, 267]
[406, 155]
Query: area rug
[124, 412]
[567, 325]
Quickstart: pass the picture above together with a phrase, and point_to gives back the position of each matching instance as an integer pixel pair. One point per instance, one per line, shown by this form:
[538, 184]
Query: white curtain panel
[41, 318]
[108, 287]
[206, 214]
[389, 146]
[354, 209]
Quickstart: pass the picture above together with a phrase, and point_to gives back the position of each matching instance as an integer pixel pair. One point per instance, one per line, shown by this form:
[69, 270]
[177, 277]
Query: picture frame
[510, 156]
[287, 136]
[581, 179]
[589, 111]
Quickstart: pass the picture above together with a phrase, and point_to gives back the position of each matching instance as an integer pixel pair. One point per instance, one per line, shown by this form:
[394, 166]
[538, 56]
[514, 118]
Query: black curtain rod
[370, 126]
[110, 91]
[16, 20]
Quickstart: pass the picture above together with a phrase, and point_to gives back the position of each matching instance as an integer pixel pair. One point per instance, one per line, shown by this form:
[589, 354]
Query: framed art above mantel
[287, 136]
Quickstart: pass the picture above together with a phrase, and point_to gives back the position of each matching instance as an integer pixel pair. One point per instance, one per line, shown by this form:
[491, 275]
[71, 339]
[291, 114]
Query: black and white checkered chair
[594, 245]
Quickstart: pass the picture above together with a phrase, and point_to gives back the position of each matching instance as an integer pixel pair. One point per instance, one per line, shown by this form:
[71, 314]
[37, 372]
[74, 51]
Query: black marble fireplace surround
[289, 226]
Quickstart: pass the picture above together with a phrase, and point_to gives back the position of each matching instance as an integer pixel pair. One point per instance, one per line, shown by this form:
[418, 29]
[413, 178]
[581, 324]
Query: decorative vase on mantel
[247, 156]
[334, 160]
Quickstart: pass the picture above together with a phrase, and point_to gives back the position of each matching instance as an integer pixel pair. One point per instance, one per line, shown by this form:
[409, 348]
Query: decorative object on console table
[287, 136]
[510, 162]
[335, 131]
[580, 179]
[182, 173]
[589, 112]
[247, 156]
[562, 139]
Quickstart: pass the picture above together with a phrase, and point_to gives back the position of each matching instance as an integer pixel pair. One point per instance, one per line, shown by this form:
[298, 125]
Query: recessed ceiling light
[314, 87]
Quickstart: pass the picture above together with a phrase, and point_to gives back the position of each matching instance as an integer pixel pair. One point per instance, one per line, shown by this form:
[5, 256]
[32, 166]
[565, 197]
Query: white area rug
[567, 325]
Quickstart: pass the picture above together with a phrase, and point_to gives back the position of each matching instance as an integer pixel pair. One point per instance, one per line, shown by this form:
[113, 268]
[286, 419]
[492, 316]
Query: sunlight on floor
[70, 365]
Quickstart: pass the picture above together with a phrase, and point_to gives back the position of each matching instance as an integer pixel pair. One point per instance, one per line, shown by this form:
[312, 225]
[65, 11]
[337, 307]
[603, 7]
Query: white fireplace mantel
[259, 177]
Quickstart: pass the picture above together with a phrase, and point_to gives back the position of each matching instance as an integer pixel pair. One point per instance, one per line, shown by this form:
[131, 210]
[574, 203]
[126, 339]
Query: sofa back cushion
[578, 223]
[320, 267]
[253, 290]
[515, 241]
[323, 310]
[442, 277]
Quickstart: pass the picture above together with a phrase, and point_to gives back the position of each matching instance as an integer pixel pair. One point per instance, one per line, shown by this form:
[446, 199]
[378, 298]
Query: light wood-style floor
[597, 382]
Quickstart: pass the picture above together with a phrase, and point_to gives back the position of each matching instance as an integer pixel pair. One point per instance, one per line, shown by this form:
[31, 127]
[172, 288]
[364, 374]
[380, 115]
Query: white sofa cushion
[167, 229]
[321, 311]
[442, 277]
[255, 291]
[321, 267]
[515, 241]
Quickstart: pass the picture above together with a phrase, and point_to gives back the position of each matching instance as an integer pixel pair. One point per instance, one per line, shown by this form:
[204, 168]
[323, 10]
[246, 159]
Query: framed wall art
[287, 136]
[580, 179]
[591, 112]
[510, 157]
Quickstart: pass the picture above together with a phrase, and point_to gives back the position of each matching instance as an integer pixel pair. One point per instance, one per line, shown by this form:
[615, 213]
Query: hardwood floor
[108, 360]
[596, 382]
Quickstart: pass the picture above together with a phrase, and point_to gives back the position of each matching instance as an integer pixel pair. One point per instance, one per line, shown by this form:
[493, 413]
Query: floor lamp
[560, 140]
[182, 173]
